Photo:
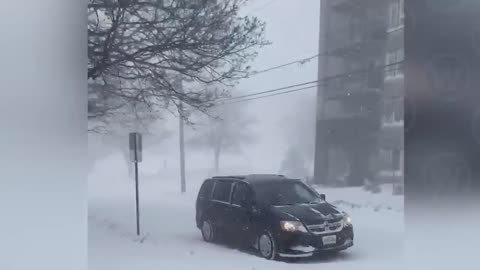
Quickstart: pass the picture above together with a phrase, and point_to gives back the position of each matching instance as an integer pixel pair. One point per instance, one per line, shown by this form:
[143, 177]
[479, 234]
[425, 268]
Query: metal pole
[182, 158]
[136, 198]
[183, 184]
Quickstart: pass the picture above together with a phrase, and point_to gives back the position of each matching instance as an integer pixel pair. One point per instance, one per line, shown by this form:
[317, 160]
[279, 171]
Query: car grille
[330, 219]
[326, 227]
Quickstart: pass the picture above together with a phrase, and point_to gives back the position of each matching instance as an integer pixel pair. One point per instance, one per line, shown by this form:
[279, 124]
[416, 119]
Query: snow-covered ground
[170, 239]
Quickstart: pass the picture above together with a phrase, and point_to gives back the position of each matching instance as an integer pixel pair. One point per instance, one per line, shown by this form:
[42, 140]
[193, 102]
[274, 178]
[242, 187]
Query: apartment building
[360, 117]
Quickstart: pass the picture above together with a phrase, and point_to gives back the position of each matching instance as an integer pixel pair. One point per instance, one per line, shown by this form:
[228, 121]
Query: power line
[323, 80]
[299, 61]
[263, 6]
[272, 90]
[271, 95]
[316, 81]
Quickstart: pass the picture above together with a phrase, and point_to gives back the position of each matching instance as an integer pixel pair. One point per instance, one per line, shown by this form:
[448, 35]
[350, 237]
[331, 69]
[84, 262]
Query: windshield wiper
[282, 204]
[316, 201]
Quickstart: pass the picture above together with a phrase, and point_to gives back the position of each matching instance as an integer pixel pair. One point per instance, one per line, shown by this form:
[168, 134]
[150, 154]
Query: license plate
[329, 240]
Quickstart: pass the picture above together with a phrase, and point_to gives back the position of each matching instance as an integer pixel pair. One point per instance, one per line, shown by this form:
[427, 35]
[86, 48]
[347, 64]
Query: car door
[203, 201]
[241, 214]
[221, 207]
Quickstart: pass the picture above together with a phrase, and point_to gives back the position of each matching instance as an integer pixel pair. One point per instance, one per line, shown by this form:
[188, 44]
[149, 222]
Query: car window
[240, 193]
[302, 191]
[286, 193]
[222, 191]
[206, 189]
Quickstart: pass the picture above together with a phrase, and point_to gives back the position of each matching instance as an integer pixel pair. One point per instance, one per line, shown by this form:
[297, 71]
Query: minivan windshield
[286, 193]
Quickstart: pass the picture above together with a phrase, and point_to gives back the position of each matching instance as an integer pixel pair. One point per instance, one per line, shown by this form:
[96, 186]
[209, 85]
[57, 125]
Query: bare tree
[138, 48]
[227, 131]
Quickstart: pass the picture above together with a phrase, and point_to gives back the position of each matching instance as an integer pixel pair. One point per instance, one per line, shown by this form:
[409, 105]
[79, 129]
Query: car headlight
[347, 220]
[292, 226]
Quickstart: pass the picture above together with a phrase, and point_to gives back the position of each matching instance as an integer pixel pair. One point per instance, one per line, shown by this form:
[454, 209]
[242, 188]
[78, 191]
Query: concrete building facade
[359, 133]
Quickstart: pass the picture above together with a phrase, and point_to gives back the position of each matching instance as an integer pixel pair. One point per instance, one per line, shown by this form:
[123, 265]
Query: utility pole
[135, 143]
[183, 184]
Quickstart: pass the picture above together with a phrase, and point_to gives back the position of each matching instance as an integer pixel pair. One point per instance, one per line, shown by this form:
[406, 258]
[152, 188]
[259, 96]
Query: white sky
[292, 27]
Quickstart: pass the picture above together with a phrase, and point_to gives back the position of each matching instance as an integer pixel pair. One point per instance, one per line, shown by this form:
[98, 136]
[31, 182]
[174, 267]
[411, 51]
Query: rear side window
[222, 191]
[240, 194]
[206, 189]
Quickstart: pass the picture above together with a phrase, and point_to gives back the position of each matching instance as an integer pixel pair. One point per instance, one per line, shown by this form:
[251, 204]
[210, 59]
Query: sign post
[135, 143]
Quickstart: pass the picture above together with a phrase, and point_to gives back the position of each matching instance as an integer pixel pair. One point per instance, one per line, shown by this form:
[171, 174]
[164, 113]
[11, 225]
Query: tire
[266, 246]
[209, 232]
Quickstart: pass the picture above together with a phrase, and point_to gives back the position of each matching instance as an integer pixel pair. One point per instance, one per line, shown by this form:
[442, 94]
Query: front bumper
[307, 245]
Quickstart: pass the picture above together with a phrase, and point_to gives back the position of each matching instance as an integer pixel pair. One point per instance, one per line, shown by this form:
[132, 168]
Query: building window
[396, 159]
[402, 12]
[396, 15]
[392, 112]
[398, 112]
[390, 118]
[390, 59]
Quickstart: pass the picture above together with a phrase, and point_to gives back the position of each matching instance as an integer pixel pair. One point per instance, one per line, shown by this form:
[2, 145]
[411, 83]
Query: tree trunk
[216, 158]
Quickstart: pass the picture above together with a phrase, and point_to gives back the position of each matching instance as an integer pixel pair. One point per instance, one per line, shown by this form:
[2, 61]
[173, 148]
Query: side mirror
[251, 207]
[323, 197]
[254, 210]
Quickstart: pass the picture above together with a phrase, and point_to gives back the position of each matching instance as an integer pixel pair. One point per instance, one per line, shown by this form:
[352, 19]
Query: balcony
[359, 40]
[342, 114]
[391, 135]
[396, 28]
[358, 48]
[355, 6]
[394, 87]
[378, 33]
[350, 130]
[356, 85]
[395, 40]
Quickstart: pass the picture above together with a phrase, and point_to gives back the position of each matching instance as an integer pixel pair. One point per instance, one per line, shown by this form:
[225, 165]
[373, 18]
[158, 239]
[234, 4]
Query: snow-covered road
[171, 240]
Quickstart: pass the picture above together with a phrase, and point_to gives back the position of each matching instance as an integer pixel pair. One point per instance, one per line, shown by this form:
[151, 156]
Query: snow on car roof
[257, 178]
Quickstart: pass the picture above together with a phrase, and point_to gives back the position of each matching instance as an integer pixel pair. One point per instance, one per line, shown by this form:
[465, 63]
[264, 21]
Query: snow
[303, 248]
[170, 239]
[393, 29]
[393, 124]
[356, 198]
[386, 173]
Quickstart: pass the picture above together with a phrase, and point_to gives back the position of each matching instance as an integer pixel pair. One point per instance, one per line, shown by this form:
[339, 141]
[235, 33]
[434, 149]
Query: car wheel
[209, 233]
[266, 246]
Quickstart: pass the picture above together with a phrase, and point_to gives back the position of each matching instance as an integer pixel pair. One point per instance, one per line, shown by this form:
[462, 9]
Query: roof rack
[229, 176]
[277, 175]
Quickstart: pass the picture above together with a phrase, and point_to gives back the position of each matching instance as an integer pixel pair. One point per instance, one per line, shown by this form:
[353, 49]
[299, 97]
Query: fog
[64, 207]
[277, 121]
